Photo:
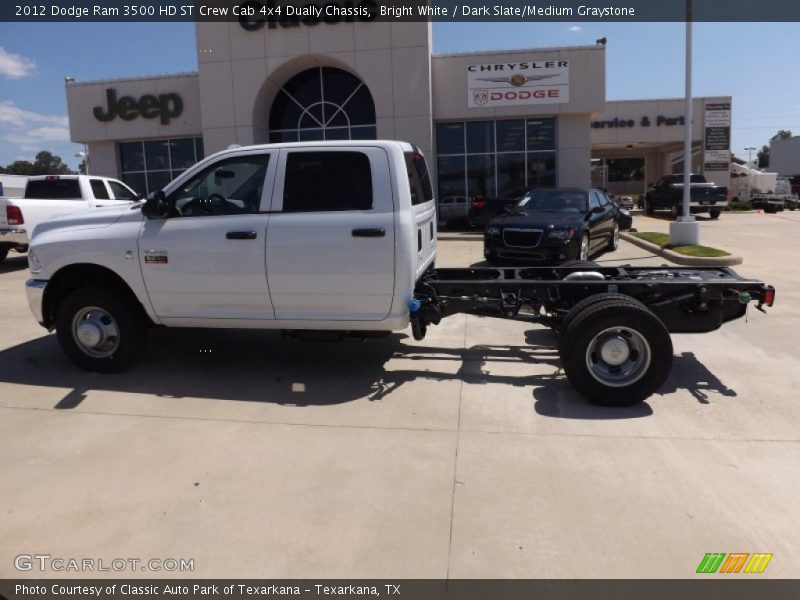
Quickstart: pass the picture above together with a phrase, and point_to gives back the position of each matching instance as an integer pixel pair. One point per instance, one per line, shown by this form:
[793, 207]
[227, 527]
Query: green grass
[662, 240]
[659, 239]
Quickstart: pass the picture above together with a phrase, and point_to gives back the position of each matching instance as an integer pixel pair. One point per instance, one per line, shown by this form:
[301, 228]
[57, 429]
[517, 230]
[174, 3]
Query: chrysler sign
[518, 83]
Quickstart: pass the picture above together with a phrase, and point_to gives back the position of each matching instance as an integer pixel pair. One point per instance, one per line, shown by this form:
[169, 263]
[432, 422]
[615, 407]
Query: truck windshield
[53, 189]
[553, 201]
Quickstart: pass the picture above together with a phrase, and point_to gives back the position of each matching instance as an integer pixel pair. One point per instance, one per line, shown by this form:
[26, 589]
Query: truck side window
[418, 179]
[231, 186]
[99, 189]
[120, 191]
[327, 181]
[593, 200]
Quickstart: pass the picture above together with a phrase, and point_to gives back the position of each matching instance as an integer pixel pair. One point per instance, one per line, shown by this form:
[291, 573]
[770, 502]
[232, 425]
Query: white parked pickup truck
[50, 196]
[340, 238]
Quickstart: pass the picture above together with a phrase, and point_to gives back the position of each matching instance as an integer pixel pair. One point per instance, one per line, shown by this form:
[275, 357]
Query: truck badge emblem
[155, 257]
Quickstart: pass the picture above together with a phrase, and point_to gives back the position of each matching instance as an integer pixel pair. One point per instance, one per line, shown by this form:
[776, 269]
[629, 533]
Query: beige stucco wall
[241, 71]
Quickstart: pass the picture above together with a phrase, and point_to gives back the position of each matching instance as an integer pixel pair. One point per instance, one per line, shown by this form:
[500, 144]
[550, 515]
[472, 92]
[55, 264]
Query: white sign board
[518, 83]
[717, 155]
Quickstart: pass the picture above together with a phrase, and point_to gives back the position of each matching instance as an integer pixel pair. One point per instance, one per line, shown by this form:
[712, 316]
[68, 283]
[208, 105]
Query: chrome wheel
[618, 356]
[584, 251]
[615, 237]
[95, 332]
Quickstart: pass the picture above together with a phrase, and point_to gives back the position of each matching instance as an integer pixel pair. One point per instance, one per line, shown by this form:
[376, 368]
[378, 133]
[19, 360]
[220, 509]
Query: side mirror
[598, 209]
[156, 206]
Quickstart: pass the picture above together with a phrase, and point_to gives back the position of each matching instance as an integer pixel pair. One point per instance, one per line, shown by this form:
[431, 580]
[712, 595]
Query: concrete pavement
[465, 455]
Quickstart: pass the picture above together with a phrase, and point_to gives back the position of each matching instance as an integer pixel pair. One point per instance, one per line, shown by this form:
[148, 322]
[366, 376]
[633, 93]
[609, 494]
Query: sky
[755, 63]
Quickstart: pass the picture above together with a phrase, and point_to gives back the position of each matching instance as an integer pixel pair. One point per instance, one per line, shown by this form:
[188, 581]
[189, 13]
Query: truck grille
[522, 238]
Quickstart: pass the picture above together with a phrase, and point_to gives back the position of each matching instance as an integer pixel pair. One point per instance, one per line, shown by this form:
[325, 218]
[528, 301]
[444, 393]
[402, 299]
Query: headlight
[562, 234]
[34, 263]
[492, 230]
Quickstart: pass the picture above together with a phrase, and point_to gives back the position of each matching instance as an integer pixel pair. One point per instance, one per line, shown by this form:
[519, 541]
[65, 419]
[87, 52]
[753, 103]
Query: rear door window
[99, 189]
[418, 179]
[53, 189]
[327, 181]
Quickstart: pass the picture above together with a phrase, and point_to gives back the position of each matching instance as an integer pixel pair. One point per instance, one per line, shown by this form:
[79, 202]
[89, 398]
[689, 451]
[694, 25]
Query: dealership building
[490, 123]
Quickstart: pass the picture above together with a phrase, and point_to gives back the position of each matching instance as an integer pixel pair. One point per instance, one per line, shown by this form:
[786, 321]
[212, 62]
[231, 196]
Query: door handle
[375, 232]
[241, 235]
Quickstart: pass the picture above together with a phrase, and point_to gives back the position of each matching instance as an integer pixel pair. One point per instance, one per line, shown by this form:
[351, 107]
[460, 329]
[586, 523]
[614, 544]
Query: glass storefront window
[541, 134]
[511, 175]
[511, 136]
[541, 169]
[150, 165]
[480, 175]
[498, 158]
[451, 176]
[480, 137]
[322, 103]
[450, 138]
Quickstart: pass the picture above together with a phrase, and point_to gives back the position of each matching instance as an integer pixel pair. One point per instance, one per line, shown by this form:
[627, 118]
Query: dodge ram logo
[480, 97]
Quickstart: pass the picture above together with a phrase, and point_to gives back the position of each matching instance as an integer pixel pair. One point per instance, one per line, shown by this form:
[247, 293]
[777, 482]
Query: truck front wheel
[616, 352]
[100, 331]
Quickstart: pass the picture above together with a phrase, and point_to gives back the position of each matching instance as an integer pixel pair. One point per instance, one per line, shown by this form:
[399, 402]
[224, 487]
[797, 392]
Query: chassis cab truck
[340, 237]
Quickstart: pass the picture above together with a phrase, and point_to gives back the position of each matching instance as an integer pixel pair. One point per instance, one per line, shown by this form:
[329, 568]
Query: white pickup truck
[340, 238]
[50, 196]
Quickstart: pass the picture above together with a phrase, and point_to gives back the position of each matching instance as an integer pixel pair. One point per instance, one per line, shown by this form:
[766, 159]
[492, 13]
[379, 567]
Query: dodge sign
[518, 83]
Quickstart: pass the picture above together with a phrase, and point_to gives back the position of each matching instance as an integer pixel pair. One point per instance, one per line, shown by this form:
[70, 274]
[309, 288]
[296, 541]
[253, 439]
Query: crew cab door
[330, 240]
[206, 260]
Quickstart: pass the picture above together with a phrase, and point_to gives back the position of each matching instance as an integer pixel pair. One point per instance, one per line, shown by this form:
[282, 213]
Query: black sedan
[553, 226]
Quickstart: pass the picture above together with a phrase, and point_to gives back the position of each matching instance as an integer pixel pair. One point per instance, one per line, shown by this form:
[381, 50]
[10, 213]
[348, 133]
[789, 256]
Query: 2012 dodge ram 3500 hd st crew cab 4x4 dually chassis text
[341, 236]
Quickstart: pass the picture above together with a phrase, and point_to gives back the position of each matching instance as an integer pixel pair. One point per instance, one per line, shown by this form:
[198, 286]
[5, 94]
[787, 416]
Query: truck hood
[92, 218]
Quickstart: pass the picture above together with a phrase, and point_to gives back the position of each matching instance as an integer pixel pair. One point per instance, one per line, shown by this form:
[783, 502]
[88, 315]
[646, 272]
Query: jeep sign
[127, 108]
[520, 83]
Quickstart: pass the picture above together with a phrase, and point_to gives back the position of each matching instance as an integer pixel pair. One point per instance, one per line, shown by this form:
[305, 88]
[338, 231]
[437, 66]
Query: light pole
[85, 156]
[685, 231]
[750, 153]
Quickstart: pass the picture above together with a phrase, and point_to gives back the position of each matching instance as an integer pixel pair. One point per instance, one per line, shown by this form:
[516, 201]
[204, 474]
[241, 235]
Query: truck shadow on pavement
[14, 263]
[261, 366]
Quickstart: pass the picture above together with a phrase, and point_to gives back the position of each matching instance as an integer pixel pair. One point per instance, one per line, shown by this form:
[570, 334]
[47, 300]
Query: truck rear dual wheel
[3, 254]
[100, 331]
[614, 350]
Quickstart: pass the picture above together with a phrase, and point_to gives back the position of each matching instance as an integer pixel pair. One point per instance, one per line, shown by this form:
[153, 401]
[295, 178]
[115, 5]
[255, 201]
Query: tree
[763, 157]
[783, 134]
[763, 154]
[20, 167]
[47, 163]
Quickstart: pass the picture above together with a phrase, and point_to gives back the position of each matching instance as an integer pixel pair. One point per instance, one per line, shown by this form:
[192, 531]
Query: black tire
[630, 316]
[648, 208]
[577, 309]
[714, 213]
[130, 325]
[613, 241]
[3, 254]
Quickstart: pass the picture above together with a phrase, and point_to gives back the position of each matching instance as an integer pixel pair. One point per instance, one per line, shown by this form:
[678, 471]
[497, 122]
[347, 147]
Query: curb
[680, 259]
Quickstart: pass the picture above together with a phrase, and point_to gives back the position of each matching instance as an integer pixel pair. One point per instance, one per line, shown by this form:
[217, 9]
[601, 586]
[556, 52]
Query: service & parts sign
[518, 83]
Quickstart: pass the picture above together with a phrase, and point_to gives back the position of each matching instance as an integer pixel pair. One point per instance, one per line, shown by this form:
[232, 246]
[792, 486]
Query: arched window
[322, 103]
